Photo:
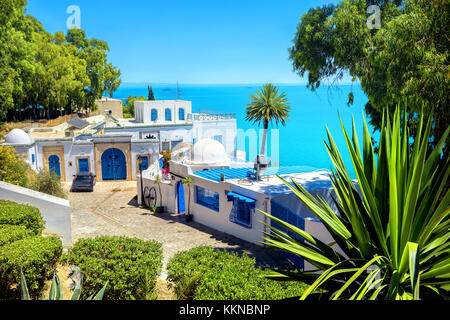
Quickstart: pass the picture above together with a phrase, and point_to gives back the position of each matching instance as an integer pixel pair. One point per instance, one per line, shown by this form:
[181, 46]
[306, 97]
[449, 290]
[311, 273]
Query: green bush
[21, 214]
[13, 167]
[129, 265]
[203, 273]
[49, 183]
[36, 257]
[11, 233]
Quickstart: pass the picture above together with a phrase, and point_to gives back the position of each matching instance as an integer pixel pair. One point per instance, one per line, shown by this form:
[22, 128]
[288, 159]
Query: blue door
[53, 164]
[83, 165]
[180, 198]
[114, 165]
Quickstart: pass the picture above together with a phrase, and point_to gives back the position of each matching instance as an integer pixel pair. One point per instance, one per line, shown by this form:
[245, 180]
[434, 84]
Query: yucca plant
[56, 290]
[392, 233]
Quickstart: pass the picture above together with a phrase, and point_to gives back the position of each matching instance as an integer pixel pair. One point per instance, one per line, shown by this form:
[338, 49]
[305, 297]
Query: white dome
[208, 151]
[17, 136]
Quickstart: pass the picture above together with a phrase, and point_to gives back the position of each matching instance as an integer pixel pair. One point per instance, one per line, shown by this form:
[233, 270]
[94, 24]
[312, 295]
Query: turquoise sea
[301, 140]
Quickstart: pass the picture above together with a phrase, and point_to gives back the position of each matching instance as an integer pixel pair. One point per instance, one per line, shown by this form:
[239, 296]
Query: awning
[231, 196]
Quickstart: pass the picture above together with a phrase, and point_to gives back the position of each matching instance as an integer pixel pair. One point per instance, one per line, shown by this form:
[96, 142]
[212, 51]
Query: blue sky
[192, 41]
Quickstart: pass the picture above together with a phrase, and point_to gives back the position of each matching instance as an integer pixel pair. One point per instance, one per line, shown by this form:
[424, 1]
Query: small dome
[17, 136]
[208, 151]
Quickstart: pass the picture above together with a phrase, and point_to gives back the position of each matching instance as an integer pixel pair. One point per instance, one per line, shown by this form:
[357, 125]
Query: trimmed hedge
[203, 273]
[37, 256]
[21, 214]
[130, 265]
[11, 233]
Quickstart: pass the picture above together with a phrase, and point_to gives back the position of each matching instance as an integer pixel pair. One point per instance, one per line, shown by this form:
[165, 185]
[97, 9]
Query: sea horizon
[311, 113]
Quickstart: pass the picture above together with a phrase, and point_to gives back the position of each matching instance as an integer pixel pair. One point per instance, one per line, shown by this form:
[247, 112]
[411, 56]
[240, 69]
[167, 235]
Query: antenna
[178, 91]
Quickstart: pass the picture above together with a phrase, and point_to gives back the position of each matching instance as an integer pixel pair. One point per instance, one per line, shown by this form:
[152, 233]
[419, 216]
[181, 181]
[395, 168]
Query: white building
[226, 197]
[111, 147]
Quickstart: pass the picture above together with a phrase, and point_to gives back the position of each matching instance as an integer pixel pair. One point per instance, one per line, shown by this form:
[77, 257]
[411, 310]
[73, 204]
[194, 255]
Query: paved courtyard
[112, 210]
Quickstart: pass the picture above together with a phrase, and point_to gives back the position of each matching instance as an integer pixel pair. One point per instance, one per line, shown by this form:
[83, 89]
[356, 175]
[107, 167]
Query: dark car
[83, 181]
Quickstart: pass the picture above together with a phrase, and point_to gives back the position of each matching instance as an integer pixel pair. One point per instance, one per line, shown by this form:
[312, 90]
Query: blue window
[241, 213]
[219, 138]
[181, 114]
[281, 212]
[168, 115]
[32, 158]
[144, 165]
[194, 141]
[207, 198]
[154, 114]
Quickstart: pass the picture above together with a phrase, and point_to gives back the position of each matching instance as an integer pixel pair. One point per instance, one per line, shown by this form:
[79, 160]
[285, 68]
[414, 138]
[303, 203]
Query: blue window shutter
[168, 115]
[154, 114]
[181, 114]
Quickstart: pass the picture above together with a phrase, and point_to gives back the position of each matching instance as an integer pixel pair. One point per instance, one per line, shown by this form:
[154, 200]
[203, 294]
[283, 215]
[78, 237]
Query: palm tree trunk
[264, 139]
[189, 201]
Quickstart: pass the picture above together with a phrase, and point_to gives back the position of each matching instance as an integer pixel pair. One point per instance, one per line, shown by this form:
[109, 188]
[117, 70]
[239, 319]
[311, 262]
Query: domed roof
[208, 151]
[17, 136]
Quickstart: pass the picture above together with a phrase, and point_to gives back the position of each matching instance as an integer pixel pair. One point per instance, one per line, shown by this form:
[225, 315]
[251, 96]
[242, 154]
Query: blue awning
[250, 201]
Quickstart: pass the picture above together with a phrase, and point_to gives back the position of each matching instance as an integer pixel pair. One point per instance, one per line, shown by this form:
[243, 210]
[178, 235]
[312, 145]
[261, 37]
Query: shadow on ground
[265, 257]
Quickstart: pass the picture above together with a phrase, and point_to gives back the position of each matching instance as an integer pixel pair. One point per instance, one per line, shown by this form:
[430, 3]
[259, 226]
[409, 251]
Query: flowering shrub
[13, 167]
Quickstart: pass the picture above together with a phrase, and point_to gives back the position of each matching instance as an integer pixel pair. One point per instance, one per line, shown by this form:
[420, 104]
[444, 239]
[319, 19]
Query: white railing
[202, 116]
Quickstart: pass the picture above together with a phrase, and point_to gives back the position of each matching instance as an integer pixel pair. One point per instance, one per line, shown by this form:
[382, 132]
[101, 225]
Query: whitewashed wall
[79, 150]
[217, 220]
[225, 128]
[143, 110]
[55, 211]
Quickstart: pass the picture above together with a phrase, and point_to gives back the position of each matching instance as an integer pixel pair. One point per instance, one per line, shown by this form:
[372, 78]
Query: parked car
[83, 181]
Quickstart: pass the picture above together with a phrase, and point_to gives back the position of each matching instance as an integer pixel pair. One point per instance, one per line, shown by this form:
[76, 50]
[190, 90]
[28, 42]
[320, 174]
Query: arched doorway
[181, 204]
[54, 165]
[114, 165]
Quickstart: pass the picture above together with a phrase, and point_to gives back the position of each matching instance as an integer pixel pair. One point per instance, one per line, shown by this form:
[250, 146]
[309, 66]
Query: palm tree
[189, 182]
[267, 106]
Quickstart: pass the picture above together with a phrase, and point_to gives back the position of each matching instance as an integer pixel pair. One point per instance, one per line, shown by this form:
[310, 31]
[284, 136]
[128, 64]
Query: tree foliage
[13, 168]
[405, 62]
[129, 104]
[47, 75]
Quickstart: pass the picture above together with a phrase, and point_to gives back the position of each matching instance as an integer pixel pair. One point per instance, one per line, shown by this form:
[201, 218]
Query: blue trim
[242, 173]
[231, 196]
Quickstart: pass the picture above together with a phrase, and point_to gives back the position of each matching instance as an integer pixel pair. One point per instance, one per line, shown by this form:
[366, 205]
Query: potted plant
[189, 182]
